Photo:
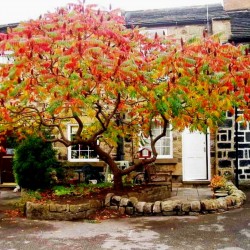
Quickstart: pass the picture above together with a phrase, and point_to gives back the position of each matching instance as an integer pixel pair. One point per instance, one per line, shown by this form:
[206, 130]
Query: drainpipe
[120, 143]
[236, 140]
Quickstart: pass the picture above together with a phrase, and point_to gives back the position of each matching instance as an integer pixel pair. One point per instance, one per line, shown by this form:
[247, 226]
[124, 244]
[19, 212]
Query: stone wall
[176, 207]
[226, 151]
[223, 27]
[85, 210]
[133, 206]
[230, 5]
[37, 211]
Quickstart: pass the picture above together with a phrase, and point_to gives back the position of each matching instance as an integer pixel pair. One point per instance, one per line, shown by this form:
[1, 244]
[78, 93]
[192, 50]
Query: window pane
[74, 154]
[80, 151]
[166, 151]
[164, 145]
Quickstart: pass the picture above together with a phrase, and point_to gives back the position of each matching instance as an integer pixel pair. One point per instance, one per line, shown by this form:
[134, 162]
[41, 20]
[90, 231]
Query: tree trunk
[118, 185]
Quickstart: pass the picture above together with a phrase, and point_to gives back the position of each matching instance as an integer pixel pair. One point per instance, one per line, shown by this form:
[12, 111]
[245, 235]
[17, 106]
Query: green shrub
[62, 190]
[33, 164]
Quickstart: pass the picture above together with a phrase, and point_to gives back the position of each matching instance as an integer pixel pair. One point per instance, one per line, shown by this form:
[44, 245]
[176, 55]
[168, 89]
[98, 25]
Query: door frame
[207, 159]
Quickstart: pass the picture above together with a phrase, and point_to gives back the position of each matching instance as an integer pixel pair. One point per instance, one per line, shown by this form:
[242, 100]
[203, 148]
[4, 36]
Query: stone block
[129, 210]
[52, 207]
[233, 199]
[95, 204]
[121, 210]
[108, 198]
[157, 207]
[195, 206]
[79, 208]
[74, 208]
[238, 201]
[140, 206]
[84, 207]
[209, 205]
[224, 163]
[186, 206]
[37, 211]
[222, 204]
[61, 208]
[124, 202]
[228, 201]
[115, 200]
[177, 205]
[132, 201]
[239, 194]
[168, 206]
[148, 208]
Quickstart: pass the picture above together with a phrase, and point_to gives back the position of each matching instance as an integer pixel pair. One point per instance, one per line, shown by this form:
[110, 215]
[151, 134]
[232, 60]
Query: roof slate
[240, 20]
[240, 25]
[175, 16]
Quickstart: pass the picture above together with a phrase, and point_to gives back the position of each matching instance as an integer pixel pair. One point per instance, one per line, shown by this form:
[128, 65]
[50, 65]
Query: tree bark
[118, 185]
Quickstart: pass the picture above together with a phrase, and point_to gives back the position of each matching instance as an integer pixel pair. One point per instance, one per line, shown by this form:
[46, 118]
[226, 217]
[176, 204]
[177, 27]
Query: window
[164, 146]
[79, 152]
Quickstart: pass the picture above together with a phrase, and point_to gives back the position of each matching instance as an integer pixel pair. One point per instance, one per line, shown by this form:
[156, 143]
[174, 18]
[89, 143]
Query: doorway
[195, 156]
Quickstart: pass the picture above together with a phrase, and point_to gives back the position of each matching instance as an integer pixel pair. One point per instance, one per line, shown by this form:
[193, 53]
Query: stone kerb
[134, 207]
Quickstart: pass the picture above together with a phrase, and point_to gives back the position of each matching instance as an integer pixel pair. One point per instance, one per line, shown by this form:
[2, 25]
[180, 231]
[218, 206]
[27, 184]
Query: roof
[4, 27]
[240, 19]
[240, 25]
[175, 16]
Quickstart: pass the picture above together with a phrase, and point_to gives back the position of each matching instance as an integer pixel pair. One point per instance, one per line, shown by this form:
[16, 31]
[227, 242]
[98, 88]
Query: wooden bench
[152, 176]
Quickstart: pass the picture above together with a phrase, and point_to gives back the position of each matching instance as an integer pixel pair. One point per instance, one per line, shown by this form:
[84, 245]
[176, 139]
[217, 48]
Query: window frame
[69, 150]
[170, 138]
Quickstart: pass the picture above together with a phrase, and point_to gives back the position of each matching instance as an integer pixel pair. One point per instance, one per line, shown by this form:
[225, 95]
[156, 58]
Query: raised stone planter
[62, 212]
[133, 206]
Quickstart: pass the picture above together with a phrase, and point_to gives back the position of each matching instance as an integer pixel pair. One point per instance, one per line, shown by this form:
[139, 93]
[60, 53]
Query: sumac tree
[82, 65]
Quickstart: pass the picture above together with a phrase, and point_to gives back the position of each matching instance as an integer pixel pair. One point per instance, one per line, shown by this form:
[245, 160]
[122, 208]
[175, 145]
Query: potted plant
[218, 184]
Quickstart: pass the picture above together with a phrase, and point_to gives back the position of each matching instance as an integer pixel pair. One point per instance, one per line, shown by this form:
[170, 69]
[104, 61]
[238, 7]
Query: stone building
[193, 157]
[224, 152]
[233, 140]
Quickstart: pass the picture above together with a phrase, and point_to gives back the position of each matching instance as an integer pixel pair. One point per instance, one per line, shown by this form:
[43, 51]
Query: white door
[195, 156]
